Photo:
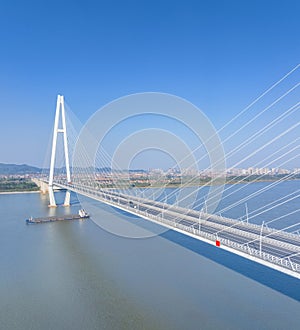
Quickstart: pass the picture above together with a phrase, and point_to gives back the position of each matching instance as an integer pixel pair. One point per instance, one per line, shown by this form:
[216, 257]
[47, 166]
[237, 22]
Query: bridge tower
[59, 114]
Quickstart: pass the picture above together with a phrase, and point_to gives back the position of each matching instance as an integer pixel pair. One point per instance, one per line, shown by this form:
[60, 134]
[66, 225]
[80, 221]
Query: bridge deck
[274, 248]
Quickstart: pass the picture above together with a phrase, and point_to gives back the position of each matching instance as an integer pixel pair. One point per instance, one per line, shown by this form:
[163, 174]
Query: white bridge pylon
[60, 112]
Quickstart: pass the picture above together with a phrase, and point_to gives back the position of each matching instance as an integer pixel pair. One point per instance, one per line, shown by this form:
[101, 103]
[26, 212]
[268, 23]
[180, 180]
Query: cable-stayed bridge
[272, 247]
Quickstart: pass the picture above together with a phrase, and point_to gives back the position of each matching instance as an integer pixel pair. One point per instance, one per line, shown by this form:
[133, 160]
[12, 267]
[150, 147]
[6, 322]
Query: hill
[10, 169]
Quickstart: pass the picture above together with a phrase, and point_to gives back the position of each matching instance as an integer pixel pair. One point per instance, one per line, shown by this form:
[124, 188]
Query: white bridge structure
[271, 247]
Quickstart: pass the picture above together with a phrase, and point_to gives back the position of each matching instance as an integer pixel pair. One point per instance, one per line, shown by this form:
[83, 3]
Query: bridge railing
[107, 196]
[282, 262]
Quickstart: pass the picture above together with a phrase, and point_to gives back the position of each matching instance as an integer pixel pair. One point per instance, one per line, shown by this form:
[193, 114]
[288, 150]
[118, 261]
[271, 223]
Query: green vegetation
[260, 178]
[17, 184]
[188, 181]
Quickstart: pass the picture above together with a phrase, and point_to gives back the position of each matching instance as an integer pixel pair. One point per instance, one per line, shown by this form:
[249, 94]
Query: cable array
[270, 140]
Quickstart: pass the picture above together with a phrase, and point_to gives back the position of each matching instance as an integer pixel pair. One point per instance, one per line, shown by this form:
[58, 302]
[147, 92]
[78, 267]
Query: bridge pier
[41, 184]
[52, 202]
[44, 188]
[67, 198]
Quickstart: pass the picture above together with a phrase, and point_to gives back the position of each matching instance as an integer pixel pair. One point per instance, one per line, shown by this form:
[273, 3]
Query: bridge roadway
[274, 248]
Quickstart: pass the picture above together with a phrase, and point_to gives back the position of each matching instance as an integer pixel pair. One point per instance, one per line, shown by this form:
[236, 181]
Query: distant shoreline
[19, 192]
[175, 186]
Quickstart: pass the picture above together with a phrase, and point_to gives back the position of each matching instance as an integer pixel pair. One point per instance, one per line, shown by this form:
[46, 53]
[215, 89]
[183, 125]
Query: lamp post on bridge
[260, 238]
[247, 216]
[199, 223]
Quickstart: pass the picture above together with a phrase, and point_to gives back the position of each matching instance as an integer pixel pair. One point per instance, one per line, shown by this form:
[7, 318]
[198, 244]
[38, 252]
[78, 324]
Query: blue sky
[219, 55]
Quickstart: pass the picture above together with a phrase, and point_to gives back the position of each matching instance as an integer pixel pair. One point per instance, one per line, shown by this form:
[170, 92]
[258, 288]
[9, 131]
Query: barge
[82, 214]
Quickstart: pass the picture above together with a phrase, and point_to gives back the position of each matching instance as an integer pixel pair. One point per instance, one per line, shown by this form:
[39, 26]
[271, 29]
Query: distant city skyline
[218, 55]
[28, 169]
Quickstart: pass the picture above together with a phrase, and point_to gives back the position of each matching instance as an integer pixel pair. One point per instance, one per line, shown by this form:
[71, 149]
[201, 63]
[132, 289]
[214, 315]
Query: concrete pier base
[67, 198]
[52, 202]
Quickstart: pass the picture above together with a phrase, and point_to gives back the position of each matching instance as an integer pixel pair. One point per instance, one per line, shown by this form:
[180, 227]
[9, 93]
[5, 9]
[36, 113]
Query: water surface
[74, 275]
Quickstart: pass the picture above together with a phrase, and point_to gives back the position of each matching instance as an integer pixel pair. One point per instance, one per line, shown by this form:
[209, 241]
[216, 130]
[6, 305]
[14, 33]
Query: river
[75, 275]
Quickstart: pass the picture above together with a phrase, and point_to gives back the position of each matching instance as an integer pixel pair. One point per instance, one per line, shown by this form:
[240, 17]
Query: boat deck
[66, 217]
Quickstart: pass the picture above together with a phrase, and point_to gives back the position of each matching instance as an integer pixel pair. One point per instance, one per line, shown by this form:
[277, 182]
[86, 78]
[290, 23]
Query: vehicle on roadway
[131, 204]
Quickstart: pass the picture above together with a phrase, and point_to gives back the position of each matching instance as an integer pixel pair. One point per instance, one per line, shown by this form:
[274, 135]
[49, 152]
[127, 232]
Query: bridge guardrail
[282, 262]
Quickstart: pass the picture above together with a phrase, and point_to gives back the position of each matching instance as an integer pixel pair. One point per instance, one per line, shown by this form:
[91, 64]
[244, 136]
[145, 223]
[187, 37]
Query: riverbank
[204, 184]
[16, 184]
[18, 192]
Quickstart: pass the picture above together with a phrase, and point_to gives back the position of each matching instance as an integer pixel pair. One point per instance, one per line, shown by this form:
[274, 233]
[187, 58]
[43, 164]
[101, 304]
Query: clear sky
[217, 54]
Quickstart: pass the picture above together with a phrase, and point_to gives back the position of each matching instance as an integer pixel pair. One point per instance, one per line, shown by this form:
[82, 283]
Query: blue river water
[75, 275]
